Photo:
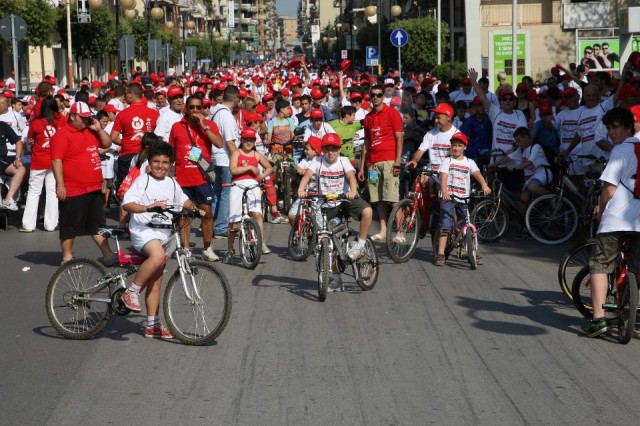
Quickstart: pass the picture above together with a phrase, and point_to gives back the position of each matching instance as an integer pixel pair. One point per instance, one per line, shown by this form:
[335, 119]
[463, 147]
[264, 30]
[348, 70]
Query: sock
[151, 321]
[134, 288]
[361, 243]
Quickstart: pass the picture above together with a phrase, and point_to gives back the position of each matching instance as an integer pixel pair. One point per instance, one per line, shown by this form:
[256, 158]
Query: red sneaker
[131, 300]
[158, 331]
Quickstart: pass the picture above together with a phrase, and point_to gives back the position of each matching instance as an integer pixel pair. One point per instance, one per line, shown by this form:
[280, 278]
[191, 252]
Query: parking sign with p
[372, 56]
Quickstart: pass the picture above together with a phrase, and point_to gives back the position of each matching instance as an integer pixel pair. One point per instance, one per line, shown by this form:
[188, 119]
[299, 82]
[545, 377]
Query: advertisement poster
[500, 58]
[599, 53]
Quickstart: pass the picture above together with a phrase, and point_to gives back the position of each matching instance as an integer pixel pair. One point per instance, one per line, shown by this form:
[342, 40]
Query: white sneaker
[335, 285]
[265, 249]
[209, 255]
[10, 205]
[355, 251]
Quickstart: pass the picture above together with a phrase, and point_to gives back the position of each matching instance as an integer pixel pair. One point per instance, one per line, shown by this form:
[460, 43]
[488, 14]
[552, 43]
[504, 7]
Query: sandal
[378, 237]
[439, 260]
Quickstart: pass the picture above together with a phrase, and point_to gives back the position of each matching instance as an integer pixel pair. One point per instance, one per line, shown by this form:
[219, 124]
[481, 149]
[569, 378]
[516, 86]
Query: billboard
[599, 53]
[500, 58]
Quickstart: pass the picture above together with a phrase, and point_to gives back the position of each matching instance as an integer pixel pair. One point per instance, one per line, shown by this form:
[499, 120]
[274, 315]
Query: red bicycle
[302, 237]
[413, 217]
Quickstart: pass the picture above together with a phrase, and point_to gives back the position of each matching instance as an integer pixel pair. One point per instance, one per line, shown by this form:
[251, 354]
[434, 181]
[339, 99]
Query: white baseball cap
[81, 109]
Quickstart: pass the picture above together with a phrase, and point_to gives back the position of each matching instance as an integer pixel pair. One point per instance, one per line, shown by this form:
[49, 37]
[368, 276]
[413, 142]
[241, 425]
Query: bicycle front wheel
[402, 243]
[76, 308]
[197, 310]
[576, 259]
[288, 191]
[324, 270]
[551, 219]
[301, 242]
[250, 243]
[627, 310]
[472, 251]
[490, 220]
[581, 292]
[366, 267]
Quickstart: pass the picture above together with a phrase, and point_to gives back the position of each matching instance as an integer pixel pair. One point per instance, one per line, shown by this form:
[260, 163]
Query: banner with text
[501, 59]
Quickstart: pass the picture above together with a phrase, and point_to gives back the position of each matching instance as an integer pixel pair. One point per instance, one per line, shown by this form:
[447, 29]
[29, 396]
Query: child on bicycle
[243, 165]
[455, 174]
[336, 175]
[618, 211]
[312, 148]
[152, 190]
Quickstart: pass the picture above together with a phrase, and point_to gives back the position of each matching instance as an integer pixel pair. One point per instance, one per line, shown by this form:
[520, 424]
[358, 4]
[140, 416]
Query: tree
[421, 52]
[41, 22]
[443, 70]
[92, 40]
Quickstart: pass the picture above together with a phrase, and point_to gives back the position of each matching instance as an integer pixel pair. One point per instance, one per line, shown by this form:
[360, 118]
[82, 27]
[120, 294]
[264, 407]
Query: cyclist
[455, 174]
[336, 175]
[243, 165]
[618, 211]
[152, 190]
[312, 148]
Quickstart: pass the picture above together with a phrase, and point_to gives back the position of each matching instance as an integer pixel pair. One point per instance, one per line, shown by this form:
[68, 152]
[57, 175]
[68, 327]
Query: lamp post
[69, 59]
[372, 10]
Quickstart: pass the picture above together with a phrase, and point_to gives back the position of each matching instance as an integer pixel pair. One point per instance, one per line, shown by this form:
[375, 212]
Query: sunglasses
[195, 107]
[377, 95]
[508, 99]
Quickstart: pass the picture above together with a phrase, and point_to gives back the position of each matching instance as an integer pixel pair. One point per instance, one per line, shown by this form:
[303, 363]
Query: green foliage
[421, 52]
[41, 21]
[94, 39]
[443, 70]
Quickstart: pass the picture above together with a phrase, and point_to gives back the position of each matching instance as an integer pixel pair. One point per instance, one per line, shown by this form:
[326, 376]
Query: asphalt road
[495, 346]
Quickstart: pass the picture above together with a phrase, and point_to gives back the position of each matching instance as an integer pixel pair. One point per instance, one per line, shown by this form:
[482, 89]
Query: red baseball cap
[476, 101]
[316, 94]
[109, 108]
[252, 117]
[545, 107]
[427, 81]
[443, 108]
[396, 101]
[248, 133]
[267, 97]
[174, 91]
[635, 110]
[81, 109]
[355, 95]
[315, 143]
[261, 109]
[461, 137]
[345, 65]
[466, 81]
[569, 91]
[331, 139]
[316, 113]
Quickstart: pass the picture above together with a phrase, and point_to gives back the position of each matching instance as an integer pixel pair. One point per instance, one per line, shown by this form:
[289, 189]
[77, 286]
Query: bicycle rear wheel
[288, 191]
[471, 248]
[407, 227]
[366, 268]
[71, 316]
[627, 310]
[575, 259]
[250, 243]
[491, 221]
[300, 243]
[551, 219]
[324, 270]
[197, 318]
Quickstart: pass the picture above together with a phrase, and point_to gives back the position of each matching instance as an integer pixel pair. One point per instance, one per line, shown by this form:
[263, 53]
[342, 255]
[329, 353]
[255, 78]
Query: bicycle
[285, 174]
[464, 239]
[622, 296]
[413, 217]
[332, 240]
[82, 296]
[302, 237]
[250, 237]
[571, 264]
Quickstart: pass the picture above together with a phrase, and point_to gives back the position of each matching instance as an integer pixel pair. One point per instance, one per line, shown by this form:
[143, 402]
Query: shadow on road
[118, 329]
[307, 289]
[546, 308]
[49, 258]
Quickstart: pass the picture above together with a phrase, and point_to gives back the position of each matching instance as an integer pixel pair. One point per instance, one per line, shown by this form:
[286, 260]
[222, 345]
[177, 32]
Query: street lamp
[370, 11]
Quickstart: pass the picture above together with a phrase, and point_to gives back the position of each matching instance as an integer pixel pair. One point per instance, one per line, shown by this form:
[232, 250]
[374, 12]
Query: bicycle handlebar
[173, 211]
[243, 187]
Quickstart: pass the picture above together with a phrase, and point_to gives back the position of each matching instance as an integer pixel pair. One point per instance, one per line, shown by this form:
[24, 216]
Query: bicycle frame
[421, 202]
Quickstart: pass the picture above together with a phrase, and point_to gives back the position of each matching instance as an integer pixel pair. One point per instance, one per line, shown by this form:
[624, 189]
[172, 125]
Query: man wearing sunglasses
[382, 152]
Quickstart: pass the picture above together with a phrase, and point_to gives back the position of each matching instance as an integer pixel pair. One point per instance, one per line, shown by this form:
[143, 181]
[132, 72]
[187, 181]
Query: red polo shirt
[380, 128]
[78, 150]
[187, 172]
[132, 123]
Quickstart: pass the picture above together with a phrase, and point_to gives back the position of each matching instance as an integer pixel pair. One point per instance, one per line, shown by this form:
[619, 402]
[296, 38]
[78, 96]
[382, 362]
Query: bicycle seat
[113, 232]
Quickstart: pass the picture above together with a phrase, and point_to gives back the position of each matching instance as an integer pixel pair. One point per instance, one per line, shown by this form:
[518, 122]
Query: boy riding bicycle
[455, 176]
[335, 175]
[153, 190]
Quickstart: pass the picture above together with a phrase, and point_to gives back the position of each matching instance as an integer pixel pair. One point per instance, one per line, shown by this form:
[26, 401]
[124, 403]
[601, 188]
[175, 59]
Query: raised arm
[473, 76]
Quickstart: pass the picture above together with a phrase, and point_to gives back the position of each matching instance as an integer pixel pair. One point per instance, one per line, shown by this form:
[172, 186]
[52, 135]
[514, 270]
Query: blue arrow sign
[399, 37]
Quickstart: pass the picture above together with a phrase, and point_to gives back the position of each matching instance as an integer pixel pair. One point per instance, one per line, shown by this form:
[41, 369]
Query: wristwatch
[206, 128]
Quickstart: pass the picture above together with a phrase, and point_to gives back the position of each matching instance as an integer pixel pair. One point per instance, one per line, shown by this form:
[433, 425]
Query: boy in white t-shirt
[336, 175]
[618, 211]
[152, 190]
[455, 175]
[312, 148]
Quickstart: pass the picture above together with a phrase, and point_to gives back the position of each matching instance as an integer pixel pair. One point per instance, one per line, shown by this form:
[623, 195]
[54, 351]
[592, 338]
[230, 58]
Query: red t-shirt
[380, 128]
[78, 150]
[42, 131]
[243, 161]
[187, 172]
[132, 123]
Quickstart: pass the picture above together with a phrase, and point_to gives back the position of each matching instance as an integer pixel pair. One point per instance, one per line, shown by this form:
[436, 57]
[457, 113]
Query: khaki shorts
[388, 186]
[607, 249]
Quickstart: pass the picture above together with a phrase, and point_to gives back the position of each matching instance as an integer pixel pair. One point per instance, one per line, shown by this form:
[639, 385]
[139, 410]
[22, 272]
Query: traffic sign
[344, 54]
[399, 38]
[84, 17]
[372, 56]
[19, 28]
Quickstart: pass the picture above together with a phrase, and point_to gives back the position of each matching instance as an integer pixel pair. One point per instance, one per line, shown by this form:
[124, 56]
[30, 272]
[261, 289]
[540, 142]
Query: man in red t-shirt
[192, 137]
[78, 172]
[382, 151]
[132, 123]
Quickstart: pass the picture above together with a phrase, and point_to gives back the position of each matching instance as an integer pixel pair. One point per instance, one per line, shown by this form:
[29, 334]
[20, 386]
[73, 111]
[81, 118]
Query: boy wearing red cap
[455, 175]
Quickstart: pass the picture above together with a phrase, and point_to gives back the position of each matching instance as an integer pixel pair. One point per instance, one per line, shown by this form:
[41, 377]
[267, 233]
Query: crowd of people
[358, 131]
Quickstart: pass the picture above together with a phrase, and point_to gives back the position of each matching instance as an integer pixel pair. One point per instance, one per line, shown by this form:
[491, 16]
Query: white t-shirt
[116, 103]
[622, 212]
[458, 175]
[536, 155]
[324, 129]
[15, 120]
[567, 124]
[332, 178]
[228, 129]
[503, 127]
[588, 123]
[166, 120]
[438, 146]
[304, 164]
[459, 95]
